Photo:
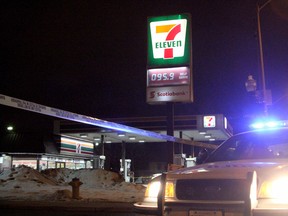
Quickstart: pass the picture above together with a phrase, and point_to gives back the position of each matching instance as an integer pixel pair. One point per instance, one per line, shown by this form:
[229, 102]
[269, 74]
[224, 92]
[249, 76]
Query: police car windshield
[268, 144]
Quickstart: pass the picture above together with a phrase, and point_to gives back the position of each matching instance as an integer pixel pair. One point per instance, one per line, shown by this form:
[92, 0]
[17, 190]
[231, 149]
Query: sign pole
[170, 131]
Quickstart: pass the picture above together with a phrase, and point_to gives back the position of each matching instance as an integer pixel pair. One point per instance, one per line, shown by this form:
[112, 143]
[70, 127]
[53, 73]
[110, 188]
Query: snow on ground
[26, 184]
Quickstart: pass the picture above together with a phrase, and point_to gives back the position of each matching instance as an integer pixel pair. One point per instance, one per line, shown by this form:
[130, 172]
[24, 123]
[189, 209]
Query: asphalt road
[13, 208]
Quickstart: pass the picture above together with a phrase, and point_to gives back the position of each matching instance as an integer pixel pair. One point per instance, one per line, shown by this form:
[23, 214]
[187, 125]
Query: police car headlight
[275, 189]
[153, 189]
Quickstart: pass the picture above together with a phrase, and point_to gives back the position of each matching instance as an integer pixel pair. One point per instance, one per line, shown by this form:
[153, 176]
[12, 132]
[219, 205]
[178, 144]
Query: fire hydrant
[75, 183]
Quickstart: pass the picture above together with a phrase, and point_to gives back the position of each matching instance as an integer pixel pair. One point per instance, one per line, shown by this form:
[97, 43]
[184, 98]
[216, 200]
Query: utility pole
[259, 8]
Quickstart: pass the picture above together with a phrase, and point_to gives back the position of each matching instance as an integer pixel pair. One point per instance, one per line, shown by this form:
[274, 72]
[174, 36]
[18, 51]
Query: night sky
[89, 57]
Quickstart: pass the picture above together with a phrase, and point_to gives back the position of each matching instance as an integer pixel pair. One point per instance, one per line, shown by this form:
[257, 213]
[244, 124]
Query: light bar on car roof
[269, 124]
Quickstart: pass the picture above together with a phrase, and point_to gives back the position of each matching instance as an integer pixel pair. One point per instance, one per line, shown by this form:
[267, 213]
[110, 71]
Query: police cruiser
[247, 175]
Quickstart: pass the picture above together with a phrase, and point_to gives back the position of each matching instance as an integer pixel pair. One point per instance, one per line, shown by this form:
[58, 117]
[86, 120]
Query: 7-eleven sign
[209, 121]
[169, 40]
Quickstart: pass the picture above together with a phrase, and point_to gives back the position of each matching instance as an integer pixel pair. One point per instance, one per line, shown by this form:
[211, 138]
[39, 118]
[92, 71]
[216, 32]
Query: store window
[51, 165]
[79, 165]
[43, 164]
[60, 165]
[29, 163]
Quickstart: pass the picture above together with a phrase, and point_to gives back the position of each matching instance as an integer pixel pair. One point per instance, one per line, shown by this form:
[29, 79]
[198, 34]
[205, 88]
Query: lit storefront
[46, 152]
[42, 162]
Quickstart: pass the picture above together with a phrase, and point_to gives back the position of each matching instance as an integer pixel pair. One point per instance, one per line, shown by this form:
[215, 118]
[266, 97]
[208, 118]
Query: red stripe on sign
[172, 34]
[168, 53]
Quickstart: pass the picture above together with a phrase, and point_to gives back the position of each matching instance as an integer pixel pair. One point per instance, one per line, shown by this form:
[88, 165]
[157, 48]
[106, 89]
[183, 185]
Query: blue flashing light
[257, 125]
[269, 124]
[272, 124]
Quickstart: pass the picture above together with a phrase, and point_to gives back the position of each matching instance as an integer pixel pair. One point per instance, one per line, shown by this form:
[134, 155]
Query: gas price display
[168, 76]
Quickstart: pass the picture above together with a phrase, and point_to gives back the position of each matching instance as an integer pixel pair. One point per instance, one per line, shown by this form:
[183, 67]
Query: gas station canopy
[208, 129]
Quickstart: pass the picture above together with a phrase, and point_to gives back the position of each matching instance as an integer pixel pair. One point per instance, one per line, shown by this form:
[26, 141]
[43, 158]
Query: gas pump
[99, 161]
[191, 161]
[102, 161]
[126, 170]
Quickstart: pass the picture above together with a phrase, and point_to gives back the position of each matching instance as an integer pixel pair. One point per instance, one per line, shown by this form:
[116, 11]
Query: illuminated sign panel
[168, 76]
[169, 40]
[76, 147]
[168, 94]
[209, 121]
[169, 60]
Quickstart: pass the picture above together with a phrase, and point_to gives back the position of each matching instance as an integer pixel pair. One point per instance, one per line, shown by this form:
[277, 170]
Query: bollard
[75, 183]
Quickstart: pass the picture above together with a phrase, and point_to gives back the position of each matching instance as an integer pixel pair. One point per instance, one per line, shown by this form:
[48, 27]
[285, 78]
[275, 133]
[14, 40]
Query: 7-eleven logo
[168, 38]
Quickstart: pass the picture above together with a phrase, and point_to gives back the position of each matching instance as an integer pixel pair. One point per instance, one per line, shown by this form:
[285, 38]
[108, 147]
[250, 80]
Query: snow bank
[24, 183]
[23, 177]
[89, 177]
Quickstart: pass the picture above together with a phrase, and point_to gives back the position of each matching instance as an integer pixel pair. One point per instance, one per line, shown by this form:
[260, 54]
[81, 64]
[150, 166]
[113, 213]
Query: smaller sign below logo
[209, 121]
[168, 76]
[169, 94]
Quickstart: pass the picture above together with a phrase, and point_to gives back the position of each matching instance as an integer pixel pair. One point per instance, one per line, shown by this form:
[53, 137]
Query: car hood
[233, 169]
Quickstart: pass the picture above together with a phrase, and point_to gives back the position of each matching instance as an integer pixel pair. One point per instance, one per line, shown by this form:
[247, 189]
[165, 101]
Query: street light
[259, 8]
[10, 128]
[251, 84]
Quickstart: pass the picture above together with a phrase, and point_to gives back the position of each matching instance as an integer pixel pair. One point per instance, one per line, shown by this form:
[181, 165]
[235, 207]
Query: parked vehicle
[247, 175]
